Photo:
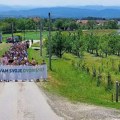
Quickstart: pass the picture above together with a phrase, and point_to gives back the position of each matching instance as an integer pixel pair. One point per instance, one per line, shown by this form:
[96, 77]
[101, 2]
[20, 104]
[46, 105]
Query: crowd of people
[17, 55]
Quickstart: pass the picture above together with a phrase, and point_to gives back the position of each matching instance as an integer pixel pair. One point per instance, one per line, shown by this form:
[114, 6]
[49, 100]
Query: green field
[28, 35]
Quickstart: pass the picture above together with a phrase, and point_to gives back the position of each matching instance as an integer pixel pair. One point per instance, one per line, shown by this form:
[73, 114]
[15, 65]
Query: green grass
[35, 35]
[73, 83]
[105, 65]
[3, 48]
[36, 44]
[29, 35]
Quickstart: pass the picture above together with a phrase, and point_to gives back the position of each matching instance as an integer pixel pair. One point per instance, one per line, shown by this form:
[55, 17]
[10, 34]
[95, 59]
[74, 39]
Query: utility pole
[12, 30]
[24, 30]
[40, 37]
[0, 35]
[49, 40]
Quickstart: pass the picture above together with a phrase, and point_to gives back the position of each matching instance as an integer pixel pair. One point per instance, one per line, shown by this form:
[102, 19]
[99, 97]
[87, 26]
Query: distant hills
[6, 8]
[61, 12]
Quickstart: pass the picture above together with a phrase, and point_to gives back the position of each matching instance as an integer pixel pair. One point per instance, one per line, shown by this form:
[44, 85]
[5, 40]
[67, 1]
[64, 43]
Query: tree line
[21, 24]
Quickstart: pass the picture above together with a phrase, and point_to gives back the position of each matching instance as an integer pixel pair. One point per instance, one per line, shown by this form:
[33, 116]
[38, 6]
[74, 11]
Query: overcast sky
[60, 2]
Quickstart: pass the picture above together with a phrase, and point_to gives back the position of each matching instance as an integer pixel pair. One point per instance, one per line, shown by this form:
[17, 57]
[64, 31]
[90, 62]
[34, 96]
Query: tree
[111, 24]
[59, 24]
[30, 24]
[91, 24]
[58, 44]
[104, 47]
[92, 43]
[78, 43]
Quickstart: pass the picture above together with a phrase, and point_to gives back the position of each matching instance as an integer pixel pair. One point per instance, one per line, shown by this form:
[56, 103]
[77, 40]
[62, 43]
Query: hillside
[65, 12]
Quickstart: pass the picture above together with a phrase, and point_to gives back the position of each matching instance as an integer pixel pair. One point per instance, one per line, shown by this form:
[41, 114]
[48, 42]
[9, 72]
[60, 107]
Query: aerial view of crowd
[17, 55]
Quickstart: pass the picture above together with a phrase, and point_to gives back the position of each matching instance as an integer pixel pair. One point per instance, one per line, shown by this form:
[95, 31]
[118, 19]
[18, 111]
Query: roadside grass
[77, 85]
[36, 55]
[3, 48]
[73, 83]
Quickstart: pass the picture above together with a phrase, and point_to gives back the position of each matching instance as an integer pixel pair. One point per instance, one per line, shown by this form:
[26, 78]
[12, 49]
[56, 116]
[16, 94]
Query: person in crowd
[4, 60]
[32, 41]
[43, 62]
[33, 62]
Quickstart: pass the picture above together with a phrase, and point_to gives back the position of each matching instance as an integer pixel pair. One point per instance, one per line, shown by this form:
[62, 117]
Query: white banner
[10, 72]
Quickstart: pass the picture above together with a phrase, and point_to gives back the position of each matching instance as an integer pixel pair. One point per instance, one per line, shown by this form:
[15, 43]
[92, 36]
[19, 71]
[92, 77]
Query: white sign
[10, 72]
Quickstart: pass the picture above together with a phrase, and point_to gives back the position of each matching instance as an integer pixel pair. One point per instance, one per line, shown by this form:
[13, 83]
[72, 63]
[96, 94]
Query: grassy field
[28, 35]
[74, 83]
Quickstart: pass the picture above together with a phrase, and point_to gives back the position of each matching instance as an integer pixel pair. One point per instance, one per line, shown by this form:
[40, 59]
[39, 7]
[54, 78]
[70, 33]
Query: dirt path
[24, 101]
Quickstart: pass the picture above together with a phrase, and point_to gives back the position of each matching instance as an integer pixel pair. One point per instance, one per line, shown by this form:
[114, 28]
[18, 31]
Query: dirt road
[24, 101]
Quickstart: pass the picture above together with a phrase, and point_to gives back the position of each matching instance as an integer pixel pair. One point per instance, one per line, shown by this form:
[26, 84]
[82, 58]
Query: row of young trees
[78, 42]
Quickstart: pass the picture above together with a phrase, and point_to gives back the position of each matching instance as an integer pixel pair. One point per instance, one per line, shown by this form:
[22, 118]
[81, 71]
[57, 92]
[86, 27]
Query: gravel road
[24, 101]
[79, 111]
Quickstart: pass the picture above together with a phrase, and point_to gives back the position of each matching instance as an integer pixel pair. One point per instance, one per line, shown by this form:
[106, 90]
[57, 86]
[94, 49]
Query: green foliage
[58, 43]
[111, 24]
[91, 24]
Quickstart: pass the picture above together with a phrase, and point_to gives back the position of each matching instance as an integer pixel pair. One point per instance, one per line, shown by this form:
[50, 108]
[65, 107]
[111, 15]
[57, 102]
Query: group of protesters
[17, 55]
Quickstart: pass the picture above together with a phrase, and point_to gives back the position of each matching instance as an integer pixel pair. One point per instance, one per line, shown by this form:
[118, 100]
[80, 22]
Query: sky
[49, 3]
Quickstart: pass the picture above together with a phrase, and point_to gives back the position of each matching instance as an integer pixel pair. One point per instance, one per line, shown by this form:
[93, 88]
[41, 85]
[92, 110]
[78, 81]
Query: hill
[65, 12]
